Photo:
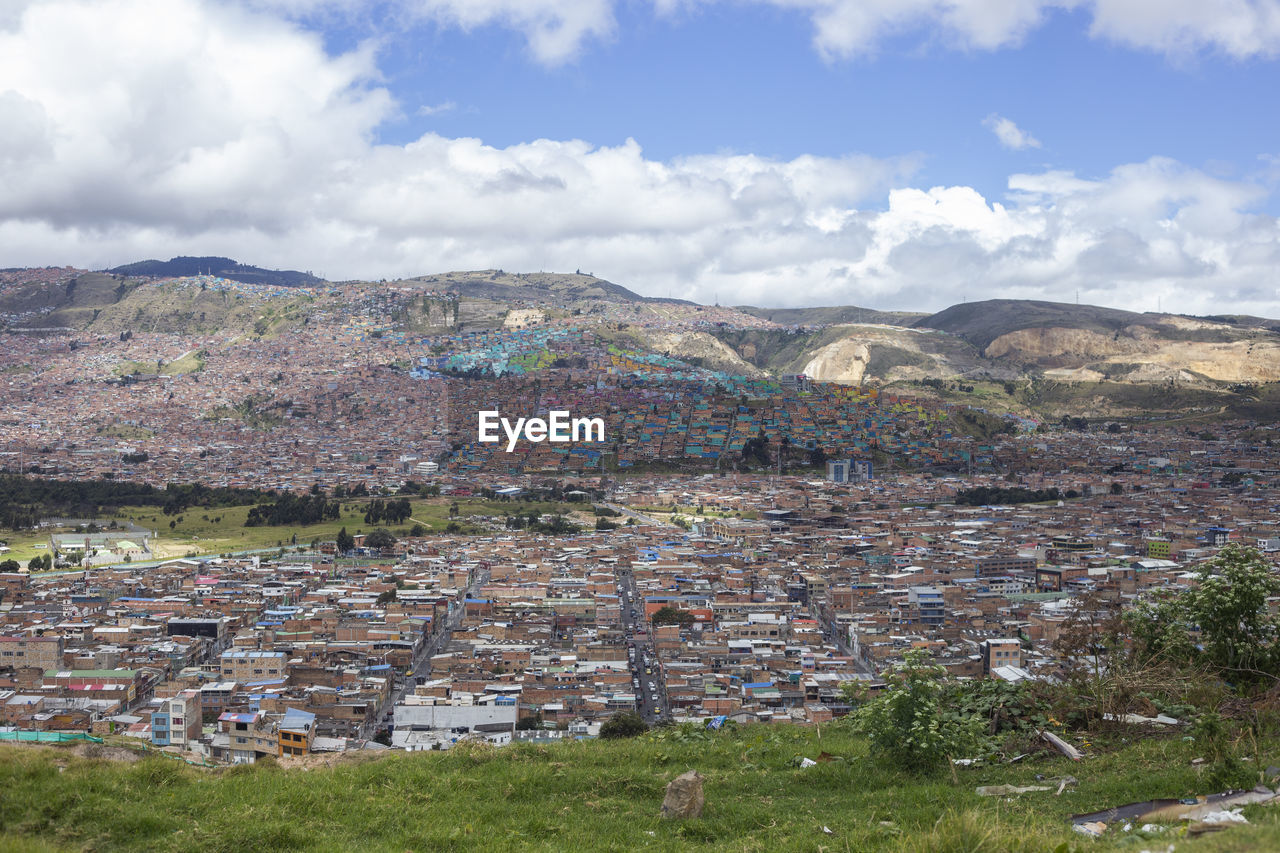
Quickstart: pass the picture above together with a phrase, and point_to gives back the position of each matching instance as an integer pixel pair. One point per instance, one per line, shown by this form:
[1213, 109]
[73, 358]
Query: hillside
[1102, 351]
[222, 267]
[173, 308]
[1090, 344]
[73, 303]
[981, 323]
[832, 316]
[567, 290]
[599, 795]
[858, 353]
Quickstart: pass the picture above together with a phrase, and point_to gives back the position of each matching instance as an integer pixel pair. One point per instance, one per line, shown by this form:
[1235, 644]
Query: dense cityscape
[739, 547]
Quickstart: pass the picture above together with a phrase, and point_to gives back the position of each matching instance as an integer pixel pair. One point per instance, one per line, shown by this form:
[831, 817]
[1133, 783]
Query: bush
[668, 615]
[906, 725]
[529, 723]
[623, 724]
[1001, 706]
[1238, 633]
[379, 538]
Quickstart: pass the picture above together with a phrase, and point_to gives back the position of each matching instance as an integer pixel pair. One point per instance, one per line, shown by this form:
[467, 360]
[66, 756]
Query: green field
[220, 530]
[23, 544]
[601, 795]
[190, 362]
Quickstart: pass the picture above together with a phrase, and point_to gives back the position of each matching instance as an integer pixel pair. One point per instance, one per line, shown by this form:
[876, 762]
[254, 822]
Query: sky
[898, 154]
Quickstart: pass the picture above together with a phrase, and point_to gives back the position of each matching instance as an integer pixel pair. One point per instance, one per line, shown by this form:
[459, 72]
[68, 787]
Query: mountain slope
[980, 323]
[73, 303]
[563, 289]
[832, 316]
[1090, 343]
[222, 267]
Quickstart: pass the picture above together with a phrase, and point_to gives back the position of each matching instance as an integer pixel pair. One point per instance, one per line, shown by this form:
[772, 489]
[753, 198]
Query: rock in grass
[684, 797]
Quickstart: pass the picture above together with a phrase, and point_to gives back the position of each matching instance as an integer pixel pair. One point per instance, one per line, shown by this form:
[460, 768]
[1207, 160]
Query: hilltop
[1089, 343]
[216, 266]
[833, 315]
[1024, 356]
[565, 289]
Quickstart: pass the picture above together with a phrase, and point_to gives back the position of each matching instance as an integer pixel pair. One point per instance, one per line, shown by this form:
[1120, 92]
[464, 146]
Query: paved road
[438, 640]
[833, 635]
[647, 519]
[651, 702]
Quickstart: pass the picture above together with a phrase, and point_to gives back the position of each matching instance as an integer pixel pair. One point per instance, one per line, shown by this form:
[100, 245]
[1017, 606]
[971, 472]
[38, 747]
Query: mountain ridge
[997, 340]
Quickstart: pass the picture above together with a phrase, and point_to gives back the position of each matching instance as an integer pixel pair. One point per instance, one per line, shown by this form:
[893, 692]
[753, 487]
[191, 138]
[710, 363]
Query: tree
[668, 615]
[380, 538]
[1238, 633]
[906, 723]
[1237, 629]
[623, 724]
[346, 542]
[10, 566]
[529, 723]
[417, 530]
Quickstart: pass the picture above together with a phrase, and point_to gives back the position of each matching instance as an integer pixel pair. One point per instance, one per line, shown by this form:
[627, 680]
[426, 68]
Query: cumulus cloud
[846, 28]
[1010, 135]
[193, 128]
[1237, 28]
[555, 29]
[558, 30]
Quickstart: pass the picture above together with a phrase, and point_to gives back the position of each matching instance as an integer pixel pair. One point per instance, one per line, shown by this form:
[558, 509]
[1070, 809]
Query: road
[438, 640]
[831, 632]
[651, 702]
[647, 519]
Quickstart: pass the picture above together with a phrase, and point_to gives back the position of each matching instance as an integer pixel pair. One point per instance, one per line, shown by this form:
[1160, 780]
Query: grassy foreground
[601, 795]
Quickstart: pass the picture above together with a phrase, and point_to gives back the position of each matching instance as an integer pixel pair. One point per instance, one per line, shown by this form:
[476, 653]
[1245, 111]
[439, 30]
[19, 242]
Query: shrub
[1238, 633]
[906, 725]
[623, 724]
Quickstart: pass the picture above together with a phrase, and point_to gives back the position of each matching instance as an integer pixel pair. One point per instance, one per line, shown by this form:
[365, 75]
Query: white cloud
[844, 28]
[437, 109]
[1010, 135]
[1237, 28]
[558, 30]
[848, 28]
[555, 29]
[138, 130]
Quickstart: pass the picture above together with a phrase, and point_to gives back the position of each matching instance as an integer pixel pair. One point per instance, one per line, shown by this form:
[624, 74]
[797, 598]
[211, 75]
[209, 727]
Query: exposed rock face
[1043, 346]
[842, 361]
[684, 797]
[885, 353]
[707, 349]
[1147, 353]
[520, 318]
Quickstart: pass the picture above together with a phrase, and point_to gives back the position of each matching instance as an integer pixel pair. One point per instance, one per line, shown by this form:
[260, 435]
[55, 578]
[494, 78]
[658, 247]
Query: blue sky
[728, 78]
[890, 153]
